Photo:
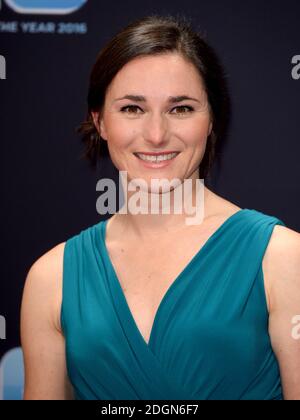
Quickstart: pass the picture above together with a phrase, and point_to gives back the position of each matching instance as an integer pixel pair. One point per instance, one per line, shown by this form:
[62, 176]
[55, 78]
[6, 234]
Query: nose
[156, 128]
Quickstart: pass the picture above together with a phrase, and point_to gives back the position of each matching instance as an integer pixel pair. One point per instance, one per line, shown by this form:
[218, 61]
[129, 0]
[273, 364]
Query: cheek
[193, 134]
[119, 143]
[119, 131]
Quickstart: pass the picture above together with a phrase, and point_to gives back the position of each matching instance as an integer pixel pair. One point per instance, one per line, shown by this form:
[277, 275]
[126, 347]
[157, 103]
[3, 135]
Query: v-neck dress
[209, 339]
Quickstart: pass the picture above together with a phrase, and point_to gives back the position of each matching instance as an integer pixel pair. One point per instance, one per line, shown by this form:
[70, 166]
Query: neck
[195, 205]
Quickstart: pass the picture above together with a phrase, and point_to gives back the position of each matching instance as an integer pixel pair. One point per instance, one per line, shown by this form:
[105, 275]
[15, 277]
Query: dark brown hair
[153, 35]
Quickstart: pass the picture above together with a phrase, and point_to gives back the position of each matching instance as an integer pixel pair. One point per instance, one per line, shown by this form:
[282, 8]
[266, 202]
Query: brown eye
[129, 107]
[182, 107]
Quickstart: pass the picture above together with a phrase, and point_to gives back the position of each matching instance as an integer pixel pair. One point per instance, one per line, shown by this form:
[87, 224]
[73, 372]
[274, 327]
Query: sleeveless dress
[209, 339]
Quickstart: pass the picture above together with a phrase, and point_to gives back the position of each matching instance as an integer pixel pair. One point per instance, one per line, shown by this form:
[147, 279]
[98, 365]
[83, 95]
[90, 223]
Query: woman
[147, 306]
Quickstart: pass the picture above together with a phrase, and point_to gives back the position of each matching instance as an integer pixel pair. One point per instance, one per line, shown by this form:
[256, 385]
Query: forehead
[155, 75]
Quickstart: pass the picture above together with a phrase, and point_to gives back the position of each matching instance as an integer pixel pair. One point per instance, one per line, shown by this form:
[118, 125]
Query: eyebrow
[171, 99]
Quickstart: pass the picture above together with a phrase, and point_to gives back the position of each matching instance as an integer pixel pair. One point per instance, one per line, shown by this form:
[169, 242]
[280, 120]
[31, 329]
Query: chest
[146, 272]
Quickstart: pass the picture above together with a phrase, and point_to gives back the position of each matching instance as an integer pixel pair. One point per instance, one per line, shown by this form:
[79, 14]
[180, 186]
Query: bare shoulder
[42, 341]
[44, 281]
[284, 247]
[53, 256]
[281, 263]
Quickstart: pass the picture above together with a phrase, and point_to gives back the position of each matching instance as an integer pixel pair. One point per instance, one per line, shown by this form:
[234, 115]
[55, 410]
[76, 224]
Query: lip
[157, 165]
[158, 153]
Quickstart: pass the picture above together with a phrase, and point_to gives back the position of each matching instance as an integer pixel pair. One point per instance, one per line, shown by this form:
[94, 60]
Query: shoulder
[283, 276]
[281, 266]
[42, 341]
[49, 260]
[47, 266]
[43, 284]
[283, 250]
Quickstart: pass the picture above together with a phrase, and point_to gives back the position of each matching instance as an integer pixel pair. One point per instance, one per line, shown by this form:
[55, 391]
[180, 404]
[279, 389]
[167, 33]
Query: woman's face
[152, 122]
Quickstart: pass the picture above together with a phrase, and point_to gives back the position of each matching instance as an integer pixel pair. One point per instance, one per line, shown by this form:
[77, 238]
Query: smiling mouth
[156, 158]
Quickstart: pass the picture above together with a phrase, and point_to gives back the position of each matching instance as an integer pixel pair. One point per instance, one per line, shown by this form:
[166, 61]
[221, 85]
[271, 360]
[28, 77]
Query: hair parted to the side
[153, 35]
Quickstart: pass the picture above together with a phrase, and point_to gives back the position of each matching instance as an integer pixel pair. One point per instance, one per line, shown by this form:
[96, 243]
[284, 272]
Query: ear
[210, 128]
[99, 124]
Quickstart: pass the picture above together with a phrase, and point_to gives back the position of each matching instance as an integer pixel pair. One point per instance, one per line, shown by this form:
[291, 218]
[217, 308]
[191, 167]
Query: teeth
[158, 158]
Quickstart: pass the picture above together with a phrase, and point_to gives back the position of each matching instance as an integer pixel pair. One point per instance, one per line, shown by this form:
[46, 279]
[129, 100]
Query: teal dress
[209, 339]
